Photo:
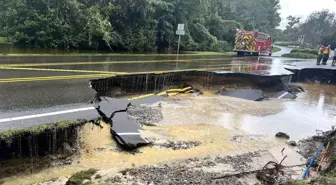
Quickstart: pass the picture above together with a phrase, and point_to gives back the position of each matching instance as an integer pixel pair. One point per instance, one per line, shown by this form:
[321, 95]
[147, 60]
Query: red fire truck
[253, 43]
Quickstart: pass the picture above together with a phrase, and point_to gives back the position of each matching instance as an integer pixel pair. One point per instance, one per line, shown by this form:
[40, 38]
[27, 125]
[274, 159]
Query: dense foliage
[319, 29]
[134, 25]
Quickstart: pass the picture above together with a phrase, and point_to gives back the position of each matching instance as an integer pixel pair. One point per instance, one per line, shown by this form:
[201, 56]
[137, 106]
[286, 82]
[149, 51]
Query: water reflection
[320, 103]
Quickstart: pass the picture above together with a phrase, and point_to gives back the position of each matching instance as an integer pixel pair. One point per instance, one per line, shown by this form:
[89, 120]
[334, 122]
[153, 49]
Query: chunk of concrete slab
[248, 94]
[293, 158]
[125, 130]
[284, 95]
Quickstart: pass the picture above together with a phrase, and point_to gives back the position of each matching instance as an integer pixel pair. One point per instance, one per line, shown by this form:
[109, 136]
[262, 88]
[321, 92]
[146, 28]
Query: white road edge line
[45, 114]
[129, 134]
[284, 94]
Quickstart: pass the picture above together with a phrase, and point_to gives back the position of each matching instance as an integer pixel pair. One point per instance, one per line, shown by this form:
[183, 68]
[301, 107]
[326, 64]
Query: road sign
[180, 32]
[180, 27]
[301, 39]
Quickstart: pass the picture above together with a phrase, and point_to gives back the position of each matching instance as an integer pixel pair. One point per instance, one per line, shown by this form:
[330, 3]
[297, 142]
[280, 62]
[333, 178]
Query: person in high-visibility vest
[334, 59]
[320, 55]
[326, 54]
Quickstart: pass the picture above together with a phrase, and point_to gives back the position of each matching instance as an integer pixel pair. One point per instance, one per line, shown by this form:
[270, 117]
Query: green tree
[134, 25]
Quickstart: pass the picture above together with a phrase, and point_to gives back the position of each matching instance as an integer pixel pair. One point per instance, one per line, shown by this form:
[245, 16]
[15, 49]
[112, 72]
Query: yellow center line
[49, 78]
[107, 62]
[109, 74]
[186, 70]
[59, 70]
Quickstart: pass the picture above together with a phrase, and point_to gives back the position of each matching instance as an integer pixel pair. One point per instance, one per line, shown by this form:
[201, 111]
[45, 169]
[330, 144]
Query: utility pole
[178, 45]
[180, 31]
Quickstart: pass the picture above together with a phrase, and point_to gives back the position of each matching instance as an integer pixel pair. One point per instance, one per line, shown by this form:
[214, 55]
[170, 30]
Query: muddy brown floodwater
[219, 126]
[313, 110]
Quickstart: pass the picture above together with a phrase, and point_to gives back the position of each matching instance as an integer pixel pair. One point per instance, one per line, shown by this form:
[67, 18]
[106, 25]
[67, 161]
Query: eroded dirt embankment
[35, 148]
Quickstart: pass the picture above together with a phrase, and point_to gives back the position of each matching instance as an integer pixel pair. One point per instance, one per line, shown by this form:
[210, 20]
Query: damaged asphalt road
[289, 92]
[248, 94]
[125, 125]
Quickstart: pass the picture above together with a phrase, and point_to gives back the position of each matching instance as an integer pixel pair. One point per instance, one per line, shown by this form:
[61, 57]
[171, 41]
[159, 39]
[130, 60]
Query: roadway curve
[284, 50]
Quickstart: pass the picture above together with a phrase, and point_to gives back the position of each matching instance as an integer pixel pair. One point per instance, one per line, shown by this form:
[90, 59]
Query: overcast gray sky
[302, 8]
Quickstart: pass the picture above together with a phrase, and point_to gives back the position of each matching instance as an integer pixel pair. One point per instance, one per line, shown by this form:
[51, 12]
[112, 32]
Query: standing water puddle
[313, 110]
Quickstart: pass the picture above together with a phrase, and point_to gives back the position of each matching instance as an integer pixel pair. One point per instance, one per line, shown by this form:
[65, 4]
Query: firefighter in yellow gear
[326, 54]
[320, 55]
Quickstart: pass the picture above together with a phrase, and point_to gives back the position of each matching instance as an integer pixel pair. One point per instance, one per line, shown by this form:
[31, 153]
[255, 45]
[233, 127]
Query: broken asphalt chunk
[108, 106]
[248, 94]
[125, 130]
[294, 89]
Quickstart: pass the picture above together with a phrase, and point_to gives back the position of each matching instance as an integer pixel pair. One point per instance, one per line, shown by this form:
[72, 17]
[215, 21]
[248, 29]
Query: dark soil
[174, 145]
[186, 172]
[150, 115]
[179, 145]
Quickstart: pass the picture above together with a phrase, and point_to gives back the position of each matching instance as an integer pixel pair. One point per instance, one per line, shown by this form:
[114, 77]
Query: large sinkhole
[35, 145]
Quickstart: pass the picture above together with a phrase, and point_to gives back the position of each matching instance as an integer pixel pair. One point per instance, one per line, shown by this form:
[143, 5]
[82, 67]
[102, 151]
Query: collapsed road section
[310, 72]
[36, 136]
[123, 85]
[124, 129]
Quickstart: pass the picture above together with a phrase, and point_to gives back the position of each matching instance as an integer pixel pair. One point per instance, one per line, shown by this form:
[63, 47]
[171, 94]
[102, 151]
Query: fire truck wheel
[259, 52]
[240, 53]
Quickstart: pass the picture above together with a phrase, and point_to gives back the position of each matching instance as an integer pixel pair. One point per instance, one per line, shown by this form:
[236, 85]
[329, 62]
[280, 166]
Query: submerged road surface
[31, 84]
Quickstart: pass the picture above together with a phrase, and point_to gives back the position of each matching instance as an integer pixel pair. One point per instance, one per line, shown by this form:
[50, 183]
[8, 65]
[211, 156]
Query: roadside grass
[3, 40]
[283, 44]
[329, 179]
[79, 177]
[300, 55]
[193, 53]
[9, 135]
[276, 49]
[307, 50]
[185, 53]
